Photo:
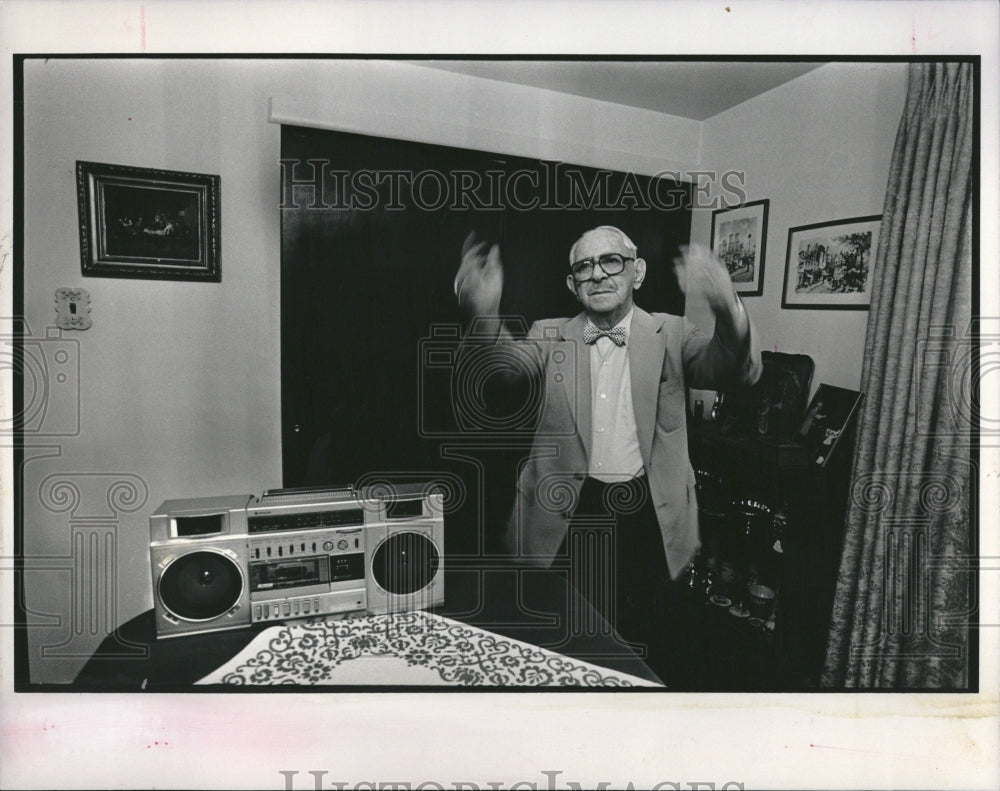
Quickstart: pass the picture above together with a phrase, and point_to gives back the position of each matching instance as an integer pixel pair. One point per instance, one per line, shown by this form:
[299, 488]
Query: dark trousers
[617, 562]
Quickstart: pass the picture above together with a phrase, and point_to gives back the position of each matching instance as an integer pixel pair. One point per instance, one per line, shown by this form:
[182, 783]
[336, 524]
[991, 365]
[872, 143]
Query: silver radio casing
[301, 553]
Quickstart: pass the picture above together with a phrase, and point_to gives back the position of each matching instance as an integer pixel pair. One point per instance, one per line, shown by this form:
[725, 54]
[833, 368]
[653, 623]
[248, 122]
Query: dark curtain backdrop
[903, 595]
[369, 318]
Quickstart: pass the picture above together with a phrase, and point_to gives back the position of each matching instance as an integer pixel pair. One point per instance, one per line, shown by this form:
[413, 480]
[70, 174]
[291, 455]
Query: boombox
[229, 562]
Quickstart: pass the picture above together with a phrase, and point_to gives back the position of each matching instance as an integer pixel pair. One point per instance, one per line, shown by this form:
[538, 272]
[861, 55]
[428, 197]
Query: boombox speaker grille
[201, 585]
[405, 563]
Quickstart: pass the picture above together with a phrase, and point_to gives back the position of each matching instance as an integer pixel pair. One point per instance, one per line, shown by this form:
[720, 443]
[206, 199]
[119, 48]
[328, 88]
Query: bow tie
[592, 333]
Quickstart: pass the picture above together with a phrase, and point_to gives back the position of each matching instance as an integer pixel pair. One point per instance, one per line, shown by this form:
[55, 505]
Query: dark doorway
[372, 231]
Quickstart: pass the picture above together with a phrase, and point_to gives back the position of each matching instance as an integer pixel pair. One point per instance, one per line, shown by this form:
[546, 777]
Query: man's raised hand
[701, 275]
[479, 282]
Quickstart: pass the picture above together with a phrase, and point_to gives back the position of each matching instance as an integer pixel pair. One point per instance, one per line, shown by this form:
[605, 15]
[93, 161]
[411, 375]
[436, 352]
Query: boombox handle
[347, 490]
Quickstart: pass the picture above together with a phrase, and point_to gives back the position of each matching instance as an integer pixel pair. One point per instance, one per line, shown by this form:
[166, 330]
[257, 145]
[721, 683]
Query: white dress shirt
[614, 447]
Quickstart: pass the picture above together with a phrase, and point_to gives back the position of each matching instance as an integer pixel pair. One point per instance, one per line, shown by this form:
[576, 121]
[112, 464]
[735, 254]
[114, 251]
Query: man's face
[605, 294]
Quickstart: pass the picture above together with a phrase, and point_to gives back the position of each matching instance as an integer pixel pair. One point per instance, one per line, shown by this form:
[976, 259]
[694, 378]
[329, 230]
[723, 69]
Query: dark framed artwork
[829, 416]
[739, 239]
[146, 223]
[828, 264]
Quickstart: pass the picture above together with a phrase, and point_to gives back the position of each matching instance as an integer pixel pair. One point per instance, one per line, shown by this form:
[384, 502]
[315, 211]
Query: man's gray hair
[627, 243]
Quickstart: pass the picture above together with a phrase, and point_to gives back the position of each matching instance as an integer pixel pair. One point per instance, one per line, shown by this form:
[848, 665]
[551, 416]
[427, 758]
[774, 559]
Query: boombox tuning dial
[342, 544]
[327, 545]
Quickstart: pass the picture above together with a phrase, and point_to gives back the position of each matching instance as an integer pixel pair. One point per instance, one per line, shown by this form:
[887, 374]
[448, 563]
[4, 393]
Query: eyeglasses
[611, 263]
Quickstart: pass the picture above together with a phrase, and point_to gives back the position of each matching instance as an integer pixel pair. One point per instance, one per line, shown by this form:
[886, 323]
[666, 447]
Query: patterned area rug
[409, 648]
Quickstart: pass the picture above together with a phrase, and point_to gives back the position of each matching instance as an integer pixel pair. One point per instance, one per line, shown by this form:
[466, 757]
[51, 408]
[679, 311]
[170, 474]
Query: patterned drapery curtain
[903, 591]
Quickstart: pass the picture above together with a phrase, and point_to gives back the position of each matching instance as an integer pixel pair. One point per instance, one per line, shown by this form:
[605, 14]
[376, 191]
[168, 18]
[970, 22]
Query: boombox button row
[291, 549]
[285, 608]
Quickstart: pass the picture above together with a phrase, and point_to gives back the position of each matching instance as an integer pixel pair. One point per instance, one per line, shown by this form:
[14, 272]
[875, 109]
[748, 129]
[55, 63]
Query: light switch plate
[73, 308]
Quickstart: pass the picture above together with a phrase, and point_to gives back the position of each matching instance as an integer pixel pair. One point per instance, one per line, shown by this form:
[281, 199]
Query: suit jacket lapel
[578, 387]
[646, 346]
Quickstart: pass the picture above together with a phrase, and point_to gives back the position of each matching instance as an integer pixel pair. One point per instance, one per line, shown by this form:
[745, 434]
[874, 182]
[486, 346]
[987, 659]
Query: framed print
[739, 237]
[828, 264]
[829, 416]
[145, 223]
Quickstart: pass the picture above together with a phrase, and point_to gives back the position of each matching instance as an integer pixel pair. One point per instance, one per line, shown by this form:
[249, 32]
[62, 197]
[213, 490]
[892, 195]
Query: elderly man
[611, 428]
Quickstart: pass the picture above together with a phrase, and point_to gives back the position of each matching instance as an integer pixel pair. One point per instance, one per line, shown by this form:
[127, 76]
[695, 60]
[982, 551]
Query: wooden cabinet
[767, 516]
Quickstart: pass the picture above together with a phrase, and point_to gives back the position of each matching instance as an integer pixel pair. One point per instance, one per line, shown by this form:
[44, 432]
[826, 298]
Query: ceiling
[690, 89]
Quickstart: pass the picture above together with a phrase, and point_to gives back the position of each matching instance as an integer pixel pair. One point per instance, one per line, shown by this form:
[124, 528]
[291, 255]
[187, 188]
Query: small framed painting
[828, 264]
[145, 223]
[830, 415]
[739, 237]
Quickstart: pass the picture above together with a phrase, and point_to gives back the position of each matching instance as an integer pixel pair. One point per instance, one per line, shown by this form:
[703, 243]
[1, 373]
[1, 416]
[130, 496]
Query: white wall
[819, 148]
[179, 389]
[428, 105]
[179, 382]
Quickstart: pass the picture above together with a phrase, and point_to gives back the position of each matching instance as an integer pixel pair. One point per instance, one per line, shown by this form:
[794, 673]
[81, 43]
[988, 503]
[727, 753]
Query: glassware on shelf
[698, 577]
[710, 488]
[760, 601]
[739, 608]
[724, 584]
[692, 579]
[769, 578]
[709, 577]
[751, 550]
[715, 580]
[776, 549]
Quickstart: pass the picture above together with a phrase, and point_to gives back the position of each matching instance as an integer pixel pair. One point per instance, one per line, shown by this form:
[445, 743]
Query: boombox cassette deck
[229, 562]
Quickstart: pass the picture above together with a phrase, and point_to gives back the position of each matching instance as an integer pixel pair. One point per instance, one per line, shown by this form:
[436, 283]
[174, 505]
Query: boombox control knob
[342, 544]
[327, 545]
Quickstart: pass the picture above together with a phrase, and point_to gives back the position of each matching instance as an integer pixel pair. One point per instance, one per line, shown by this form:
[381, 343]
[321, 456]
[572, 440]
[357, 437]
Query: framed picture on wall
[146, 223]
[828, 264]
[739, 237]
[829, 417]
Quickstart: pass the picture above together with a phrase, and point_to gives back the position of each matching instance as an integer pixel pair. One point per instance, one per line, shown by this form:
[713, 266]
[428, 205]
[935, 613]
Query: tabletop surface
[530, 609]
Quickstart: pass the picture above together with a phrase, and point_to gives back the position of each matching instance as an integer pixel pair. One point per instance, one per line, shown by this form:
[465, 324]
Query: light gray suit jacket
[667, 354]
